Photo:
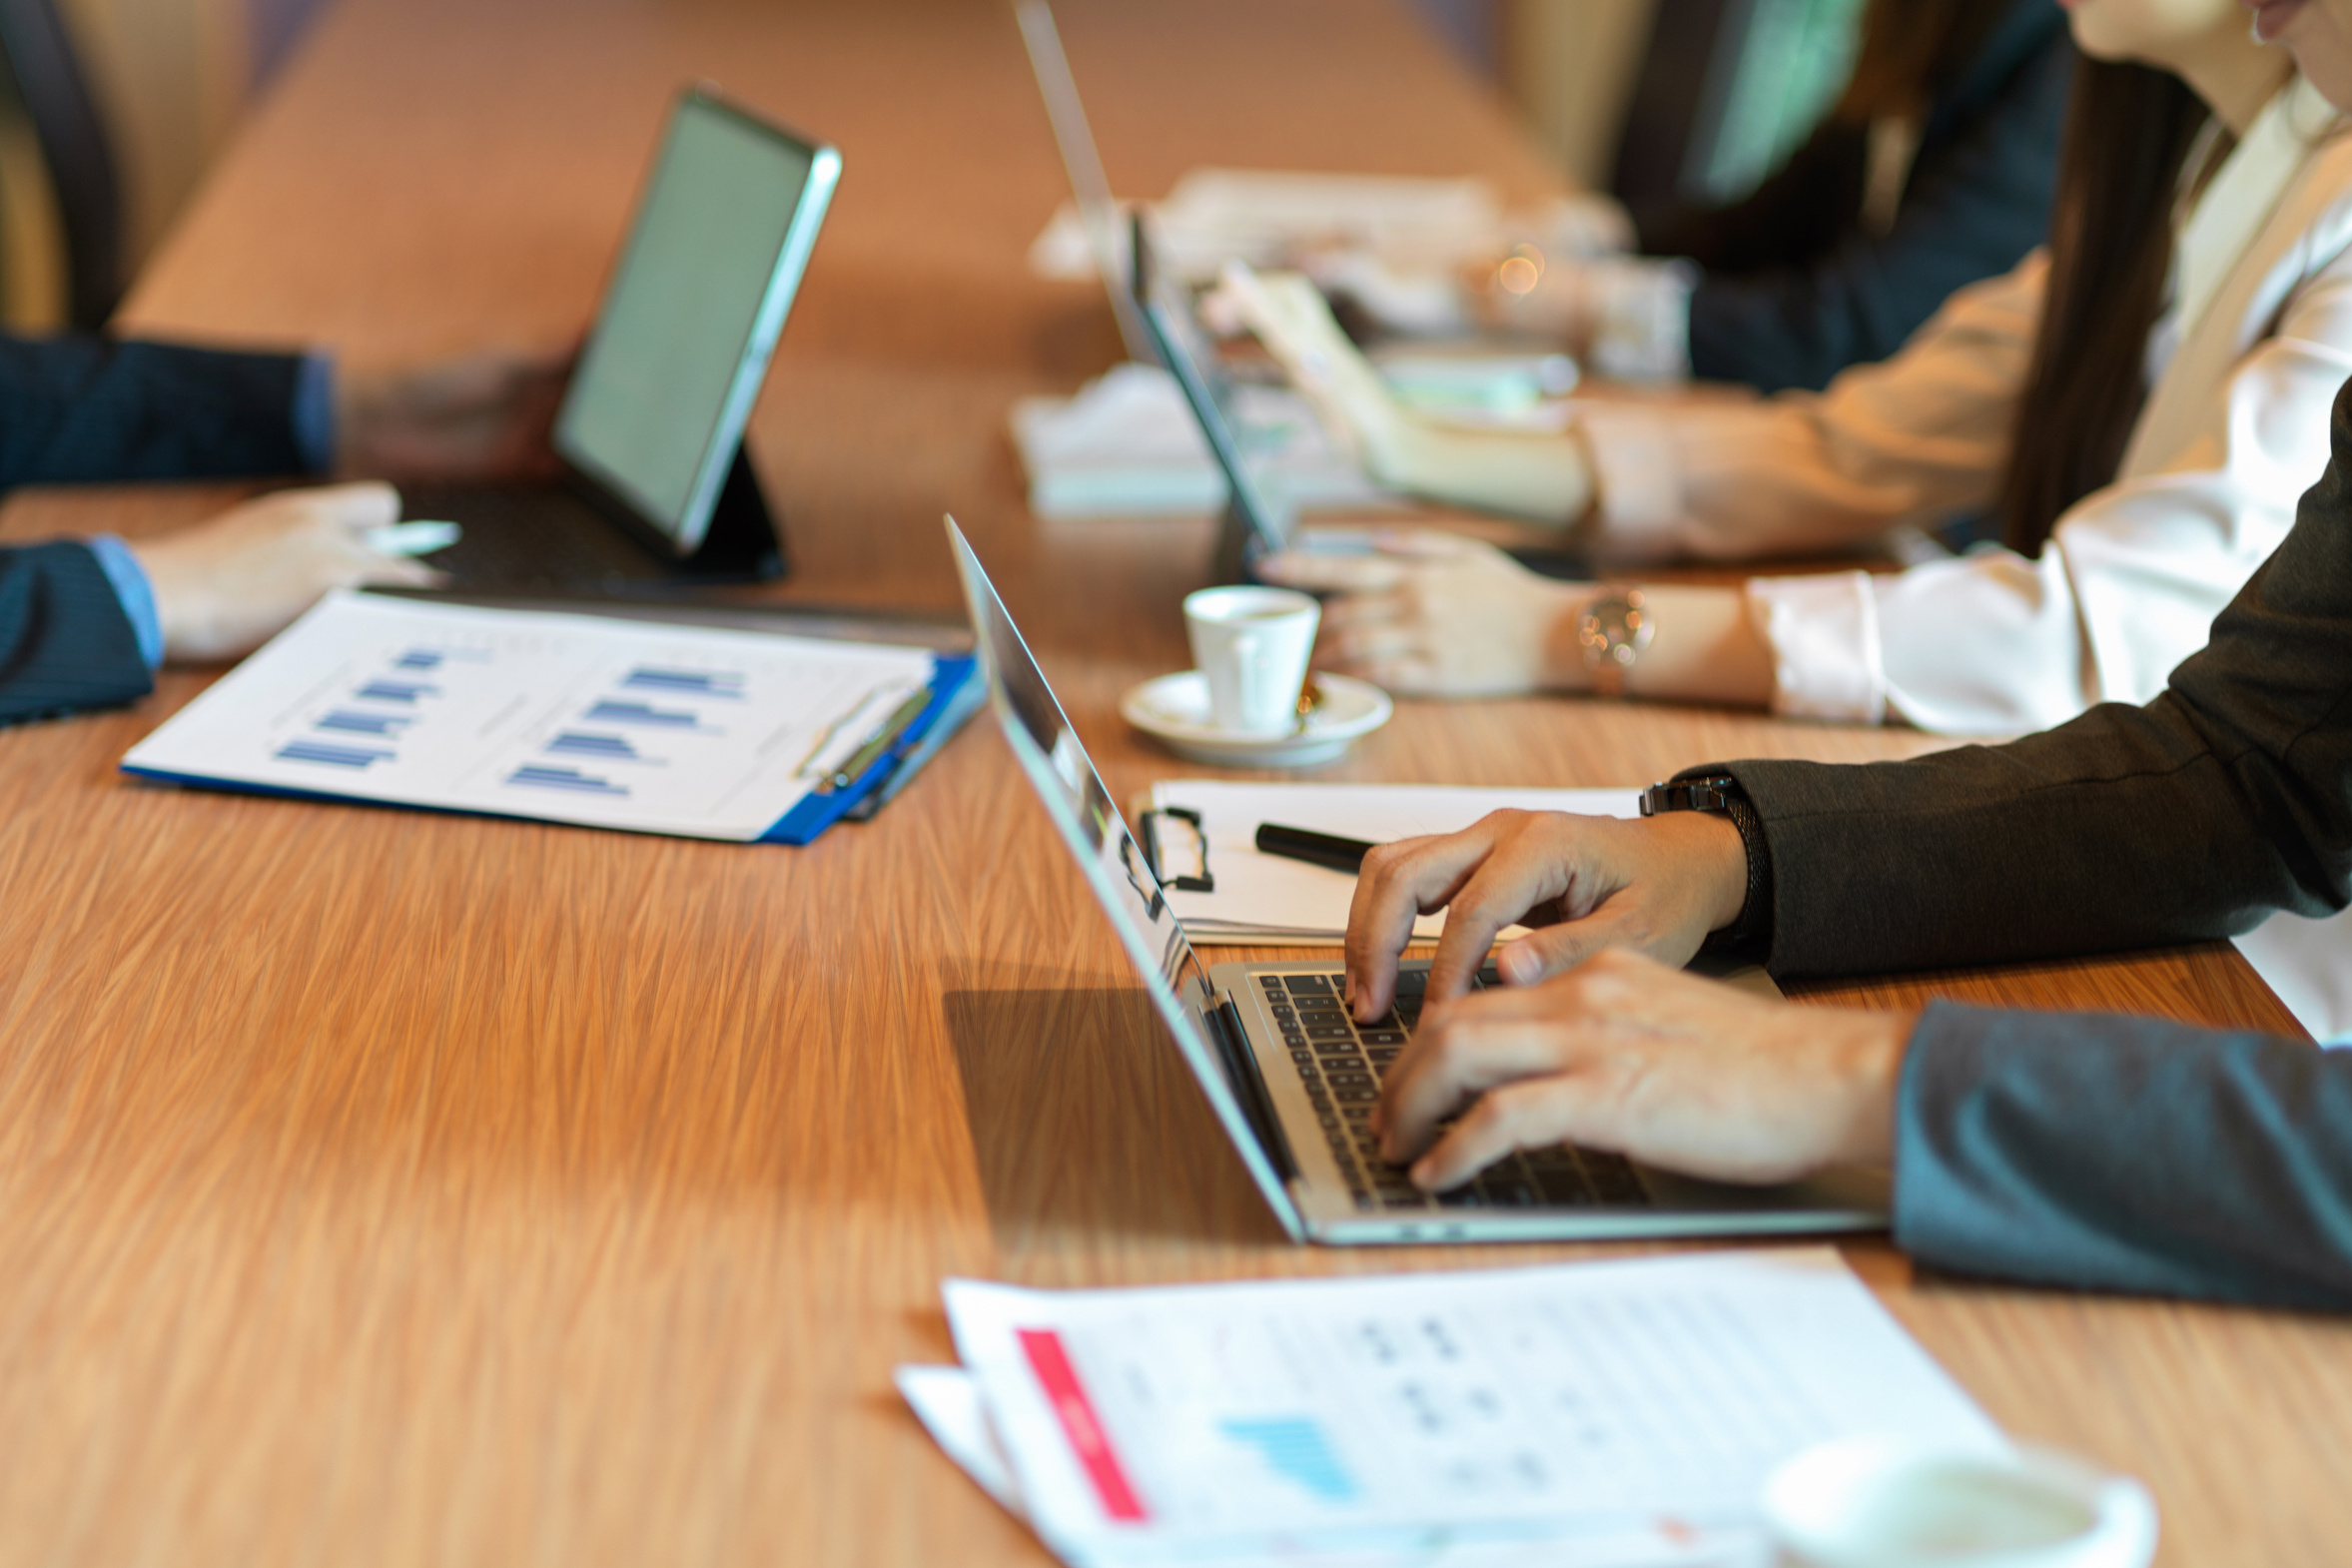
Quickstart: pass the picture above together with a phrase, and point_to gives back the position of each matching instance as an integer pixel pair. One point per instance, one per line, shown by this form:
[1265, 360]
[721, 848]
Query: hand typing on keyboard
[1589, 1039]
[1627, 1055]
[1655, 884]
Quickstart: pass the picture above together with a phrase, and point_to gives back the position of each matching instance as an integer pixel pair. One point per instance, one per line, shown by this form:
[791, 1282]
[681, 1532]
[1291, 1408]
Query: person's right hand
[1434, 615]
[228, 584]
[1543, 475]
[1657, 885]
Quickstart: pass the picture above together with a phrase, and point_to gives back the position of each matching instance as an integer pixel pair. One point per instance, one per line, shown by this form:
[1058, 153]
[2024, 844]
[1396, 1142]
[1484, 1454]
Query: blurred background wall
[164, 83]
[1652, 98]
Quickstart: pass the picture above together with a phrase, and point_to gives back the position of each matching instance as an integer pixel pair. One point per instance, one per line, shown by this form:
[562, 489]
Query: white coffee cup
[1253, 644]
[1875, 1502]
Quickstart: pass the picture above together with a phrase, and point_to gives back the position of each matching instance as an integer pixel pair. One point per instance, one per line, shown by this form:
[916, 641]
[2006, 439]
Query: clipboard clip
[1203, 881]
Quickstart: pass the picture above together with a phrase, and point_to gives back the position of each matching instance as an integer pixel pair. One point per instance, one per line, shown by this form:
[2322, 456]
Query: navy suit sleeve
[1977, 201]
[80, 409]
[2127, 1153]
[65, 642]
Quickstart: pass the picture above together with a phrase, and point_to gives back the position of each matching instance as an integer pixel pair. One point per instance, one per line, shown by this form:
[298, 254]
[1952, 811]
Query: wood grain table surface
[382, 1187]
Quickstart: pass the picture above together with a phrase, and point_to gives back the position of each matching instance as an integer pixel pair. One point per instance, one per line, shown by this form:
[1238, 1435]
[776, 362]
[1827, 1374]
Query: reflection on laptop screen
[655, 383]
[1064, 776]
[1193, 361]
[1039, 737]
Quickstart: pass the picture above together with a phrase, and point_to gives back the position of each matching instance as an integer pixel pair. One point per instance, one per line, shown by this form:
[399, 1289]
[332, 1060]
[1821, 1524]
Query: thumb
[1555, 950]
[1424, 545]
[358, 505]
[1326, 573]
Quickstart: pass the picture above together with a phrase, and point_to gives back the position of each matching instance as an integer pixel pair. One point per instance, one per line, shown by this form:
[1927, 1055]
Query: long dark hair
[1910, 51]
[2130, 130]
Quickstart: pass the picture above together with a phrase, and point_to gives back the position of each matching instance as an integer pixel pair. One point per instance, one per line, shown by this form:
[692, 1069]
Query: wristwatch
[1721, 793]
[1613, 630]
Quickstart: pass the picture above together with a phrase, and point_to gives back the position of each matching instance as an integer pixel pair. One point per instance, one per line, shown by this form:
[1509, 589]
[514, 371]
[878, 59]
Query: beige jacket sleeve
[1917, 437]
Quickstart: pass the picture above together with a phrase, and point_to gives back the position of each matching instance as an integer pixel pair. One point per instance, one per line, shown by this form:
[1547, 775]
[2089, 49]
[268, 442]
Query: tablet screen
[668, 375]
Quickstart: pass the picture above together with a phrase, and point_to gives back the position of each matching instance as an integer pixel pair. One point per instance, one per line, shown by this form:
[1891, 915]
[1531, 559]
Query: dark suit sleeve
[1977, 202]
[65, 642]
[2126, 1155]
[82, 408]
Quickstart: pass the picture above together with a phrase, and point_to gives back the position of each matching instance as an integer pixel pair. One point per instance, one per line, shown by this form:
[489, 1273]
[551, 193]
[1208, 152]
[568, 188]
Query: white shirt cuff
[1826, 655]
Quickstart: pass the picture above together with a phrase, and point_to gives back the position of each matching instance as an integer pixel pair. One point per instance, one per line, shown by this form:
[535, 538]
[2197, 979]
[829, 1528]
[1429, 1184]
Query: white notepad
[1266, 899]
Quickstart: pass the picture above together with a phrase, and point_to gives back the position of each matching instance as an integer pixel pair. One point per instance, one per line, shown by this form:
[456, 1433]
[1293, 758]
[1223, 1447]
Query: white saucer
[1175, 708]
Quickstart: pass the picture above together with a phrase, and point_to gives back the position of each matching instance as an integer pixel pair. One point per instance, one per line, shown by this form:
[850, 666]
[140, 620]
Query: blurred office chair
[48, 83]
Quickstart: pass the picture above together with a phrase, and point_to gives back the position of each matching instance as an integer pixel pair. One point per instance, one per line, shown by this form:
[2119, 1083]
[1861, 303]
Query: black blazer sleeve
[83, 408]
[65, 642]
[1795, 290]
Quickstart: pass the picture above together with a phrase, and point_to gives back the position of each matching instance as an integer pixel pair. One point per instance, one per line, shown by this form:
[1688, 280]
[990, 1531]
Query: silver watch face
[1614, 629]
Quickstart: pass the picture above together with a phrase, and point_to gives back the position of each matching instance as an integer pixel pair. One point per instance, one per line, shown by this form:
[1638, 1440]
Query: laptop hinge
[1232, 1043]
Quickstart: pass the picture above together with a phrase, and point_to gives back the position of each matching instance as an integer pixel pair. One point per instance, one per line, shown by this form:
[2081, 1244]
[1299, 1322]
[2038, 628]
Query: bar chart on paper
[604, 722]
[1593, 1413]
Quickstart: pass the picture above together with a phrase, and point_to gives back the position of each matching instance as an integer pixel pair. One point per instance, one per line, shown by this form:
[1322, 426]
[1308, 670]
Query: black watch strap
[1750, 929]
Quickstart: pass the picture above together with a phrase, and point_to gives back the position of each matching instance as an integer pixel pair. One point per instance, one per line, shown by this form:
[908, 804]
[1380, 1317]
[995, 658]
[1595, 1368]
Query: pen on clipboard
[1316, 849]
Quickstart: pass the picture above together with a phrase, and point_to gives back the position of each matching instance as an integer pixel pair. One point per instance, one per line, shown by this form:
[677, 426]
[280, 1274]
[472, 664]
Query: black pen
[1316, 849]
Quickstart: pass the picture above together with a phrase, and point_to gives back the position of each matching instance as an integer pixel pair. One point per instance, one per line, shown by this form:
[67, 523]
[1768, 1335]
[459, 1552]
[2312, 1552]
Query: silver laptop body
[1303, 1143]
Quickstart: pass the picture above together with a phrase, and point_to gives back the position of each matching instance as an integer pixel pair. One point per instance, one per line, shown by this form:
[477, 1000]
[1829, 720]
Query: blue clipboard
[908, 741]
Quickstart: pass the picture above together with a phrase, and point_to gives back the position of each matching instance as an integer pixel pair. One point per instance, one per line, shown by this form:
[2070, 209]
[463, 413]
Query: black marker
[1316, 849]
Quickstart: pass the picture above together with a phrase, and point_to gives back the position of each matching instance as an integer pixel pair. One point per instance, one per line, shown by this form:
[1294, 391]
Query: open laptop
[1090, 187]
[656, 492]
[1257, 519]
[1291, 1080]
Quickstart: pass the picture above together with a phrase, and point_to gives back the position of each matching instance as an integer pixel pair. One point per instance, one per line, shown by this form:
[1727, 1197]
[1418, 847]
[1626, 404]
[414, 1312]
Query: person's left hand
[481, 417]
[1434, 615]
[1624, 1054]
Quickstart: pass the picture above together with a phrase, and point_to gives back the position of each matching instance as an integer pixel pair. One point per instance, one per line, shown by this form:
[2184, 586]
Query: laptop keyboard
[1342, 1062]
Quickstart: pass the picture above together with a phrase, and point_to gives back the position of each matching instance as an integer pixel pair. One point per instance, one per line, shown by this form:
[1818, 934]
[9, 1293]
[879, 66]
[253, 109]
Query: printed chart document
[568, 718]
[1267, 898]
[1619, 1412]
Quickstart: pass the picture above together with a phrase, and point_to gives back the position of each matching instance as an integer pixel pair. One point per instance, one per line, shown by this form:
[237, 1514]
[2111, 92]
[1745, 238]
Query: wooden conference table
[378, 1187]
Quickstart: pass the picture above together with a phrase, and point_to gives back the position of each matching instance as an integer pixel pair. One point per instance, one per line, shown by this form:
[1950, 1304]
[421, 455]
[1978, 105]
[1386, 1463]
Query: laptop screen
[1090, 824]
[668, 375]
[1190, 358]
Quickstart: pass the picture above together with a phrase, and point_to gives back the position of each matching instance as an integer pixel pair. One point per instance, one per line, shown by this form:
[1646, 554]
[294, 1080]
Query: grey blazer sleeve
[2127, 1155]
[65, 642]
[2227, 797]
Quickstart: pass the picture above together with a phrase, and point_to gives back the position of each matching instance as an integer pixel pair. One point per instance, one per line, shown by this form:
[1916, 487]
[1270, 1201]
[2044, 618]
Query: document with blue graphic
[652, 728]
[1584, 1413]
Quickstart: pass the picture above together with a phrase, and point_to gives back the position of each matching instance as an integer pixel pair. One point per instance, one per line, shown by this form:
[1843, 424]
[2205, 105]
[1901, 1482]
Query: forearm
[1541, 478]
[1706, 649]
[92, 410]
[2126, 1155]
[66, 642]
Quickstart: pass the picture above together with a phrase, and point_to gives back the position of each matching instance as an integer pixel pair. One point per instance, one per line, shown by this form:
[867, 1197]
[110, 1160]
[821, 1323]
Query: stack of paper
[1128, 445]
[1619, 1414]
[568, 718]
[1264, 899]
